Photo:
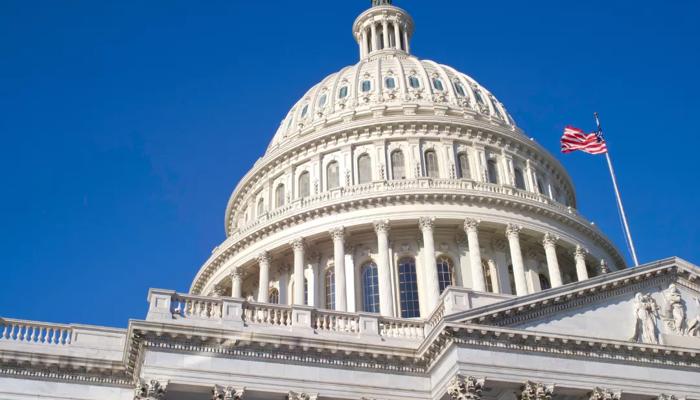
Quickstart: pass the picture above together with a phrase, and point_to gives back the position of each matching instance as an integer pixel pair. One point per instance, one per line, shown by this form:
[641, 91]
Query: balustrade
[331, 321]
[267, 314]
[35, 332]
[196, 307]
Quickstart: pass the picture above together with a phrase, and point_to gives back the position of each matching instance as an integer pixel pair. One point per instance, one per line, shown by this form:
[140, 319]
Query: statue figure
[645, 313]
[674, 310]
[694, 325]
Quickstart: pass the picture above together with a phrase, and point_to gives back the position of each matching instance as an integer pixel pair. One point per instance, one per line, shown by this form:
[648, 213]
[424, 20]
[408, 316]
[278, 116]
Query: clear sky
[125, 125]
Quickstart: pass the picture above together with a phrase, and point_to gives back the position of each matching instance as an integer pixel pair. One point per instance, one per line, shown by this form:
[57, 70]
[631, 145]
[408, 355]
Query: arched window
[343, 92]
[332, 175]
[492, 171]
[495, 108]
[460, 89]
[487, 276]
[261, 207]
[279, 195]
[544, 282]
[304, 110]
[366, 86]
[364, 169]
[330, 289]
[304, 185]
[408, 288]
[463, 166]
[414, 82]
[370, 288]
[431, 164]
[398, 166]
[519, 178]
[322, 100]
[444, 269]
[274, 296]
[437, 83]
[511, 279]
[540, 184]
[390, 83]
[477, 94]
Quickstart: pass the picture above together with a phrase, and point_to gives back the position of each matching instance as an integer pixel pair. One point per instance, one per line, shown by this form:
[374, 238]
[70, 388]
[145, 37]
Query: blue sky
[126, 124]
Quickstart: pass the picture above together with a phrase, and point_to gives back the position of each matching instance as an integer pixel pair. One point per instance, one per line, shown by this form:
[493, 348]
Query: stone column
[493, 272]
[397, 36]
[373, 39]
[236, 283]
[405, 40]
[264, 277]
[431, 275]
[516, 257]
[298, 247]
[465, 387]
[341, 297]
[283, 272]
[471, 227]
[386, 298]
[385, 33]
[580, 257]
[363, 46]
[550, 249]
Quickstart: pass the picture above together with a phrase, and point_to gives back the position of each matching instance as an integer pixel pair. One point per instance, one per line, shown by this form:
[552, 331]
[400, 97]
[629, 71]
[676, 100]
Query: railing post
[369, 325]
[301, 318]
[232, 313]
[160, 305]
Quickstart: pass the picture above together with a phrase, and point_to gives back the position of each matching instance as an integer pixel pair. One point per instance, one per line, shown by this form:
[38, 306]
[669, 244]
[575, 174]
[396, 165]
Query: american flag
[575, 139]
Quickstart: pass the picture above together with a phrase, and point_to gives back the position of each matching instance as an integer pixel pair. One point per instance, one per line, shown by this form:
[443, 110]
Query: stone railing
[345, 193]
[31, 332]
[225, 312]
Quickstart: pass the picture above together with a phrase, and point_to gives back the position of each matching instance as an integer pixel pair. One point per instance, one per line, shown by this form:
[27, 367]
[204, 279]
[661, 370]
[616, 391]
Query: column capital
[382, 226]
[426, 223]
[604, 267]
[513, 231]
[465, 388]
[337, 233]
[263, 257]
[550, 239]
[471, 225]
[297, 244]
[599, 393]
[236, 273]
[227, 393]
[580, 252]
[150, 390]
[536, 391]
[301, 396]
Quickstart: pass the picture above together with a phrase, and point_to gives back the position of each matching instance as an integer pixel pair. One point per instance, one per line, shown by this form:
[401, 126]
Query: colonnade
[430, 274]
[384, 34]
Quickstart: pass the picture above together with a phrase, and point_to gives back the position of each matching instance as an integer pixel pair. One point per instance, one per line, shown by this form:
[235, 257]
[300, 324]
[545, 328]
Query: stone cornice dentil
[316, 140]
[392, 192]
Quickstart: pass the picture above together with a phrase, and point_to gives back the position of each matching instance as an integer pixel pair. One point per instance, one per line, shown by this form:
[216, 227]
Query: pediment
[657, 303]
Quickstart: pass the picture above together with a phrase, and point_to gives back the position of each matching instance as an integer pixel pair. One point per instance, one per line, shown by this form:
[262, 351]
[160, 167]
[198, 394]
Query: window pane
[274, 297]
[304, 110]
[487, 276]
[370, 288]
[366, 86]
[431, 165]
[261, 207]
[390, 83]
[333, 175]
[437, 83]
[460, 89]
[414, 82]
[364, 169]
[343, 92]
[322, 100]
[408, 289]
[519, 179]
[304, 185]
[444, 267]
[398, 167]
[492, 171]
[463, 166]
[540, 184]
[279, 196]
[544, 282]
[330, 290]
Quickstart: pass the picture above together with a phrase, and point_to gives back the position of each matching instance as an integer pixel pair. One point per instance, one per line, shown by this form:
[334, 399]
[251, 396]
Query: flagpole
[621, 209]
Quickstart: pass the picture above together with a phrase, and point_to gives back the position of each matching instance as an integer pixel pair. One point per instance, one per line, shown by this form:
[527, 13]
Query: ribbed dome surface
[386, 83]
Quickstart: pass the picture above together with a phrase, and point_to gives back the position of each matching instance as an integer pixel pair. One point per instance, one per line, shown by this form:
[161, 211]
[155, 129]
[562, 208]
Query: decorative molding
[426, 223]
[301, 396]
[536, 391]
[149, 390]
[471, 225]
[227, 393]
[298, 244]
[550, 240]
[338, 233]
[604, 394]
[382, 226]
[465, 388]
[263, 257]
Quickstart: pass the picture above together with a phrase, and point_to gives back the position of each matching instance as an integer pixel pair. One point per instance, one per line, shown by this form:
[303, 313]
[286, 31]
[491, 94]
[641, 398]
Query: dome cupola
[383, 28]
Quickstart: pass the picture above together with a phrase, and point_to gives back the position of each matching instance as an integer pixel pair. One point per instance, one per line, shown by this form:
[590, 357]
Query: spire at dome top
[384, 28]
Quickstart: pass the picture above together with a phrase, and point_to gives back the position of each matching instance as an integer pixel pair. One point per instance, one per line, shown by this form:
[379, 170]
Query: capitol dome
[393, 179]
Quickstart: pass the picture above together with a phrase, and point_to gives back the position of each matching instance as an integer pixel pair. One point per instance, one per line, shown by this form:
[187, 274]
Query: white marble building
[441, 255]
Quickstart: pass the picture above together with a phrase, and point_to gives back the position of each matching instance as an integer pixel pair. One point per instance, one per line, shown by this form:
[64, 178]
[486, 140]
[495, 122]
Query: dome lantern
[383, 28]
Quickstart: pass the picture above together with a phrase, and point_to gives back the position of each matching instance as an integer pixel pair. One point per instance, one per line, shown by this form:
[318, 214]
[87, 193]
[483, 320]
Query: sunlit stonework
[401, 238]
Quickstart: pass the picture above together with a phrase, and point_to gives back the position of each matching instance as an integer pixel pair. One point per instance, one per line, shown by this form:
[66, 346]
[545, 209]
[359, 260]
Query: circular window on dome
[343, 92]
[322, 100]
[366, 86]
[390, 83]
[437, 83]
[414, 82]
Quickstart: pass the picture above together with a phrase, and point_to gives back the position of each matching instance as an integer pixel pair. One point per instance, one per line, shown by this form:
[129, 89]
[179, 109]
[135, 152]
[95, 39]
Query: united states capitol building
[401, 238]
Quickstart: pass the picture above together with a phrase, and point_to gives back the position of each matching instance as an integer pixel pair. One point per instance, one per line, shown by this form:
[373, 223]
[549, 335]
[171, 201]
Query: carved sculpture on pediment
[536, 391]
[645, 314]
[694, 325]
[673, 313]
[465, 388]
[227, 393]
[149, 390]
